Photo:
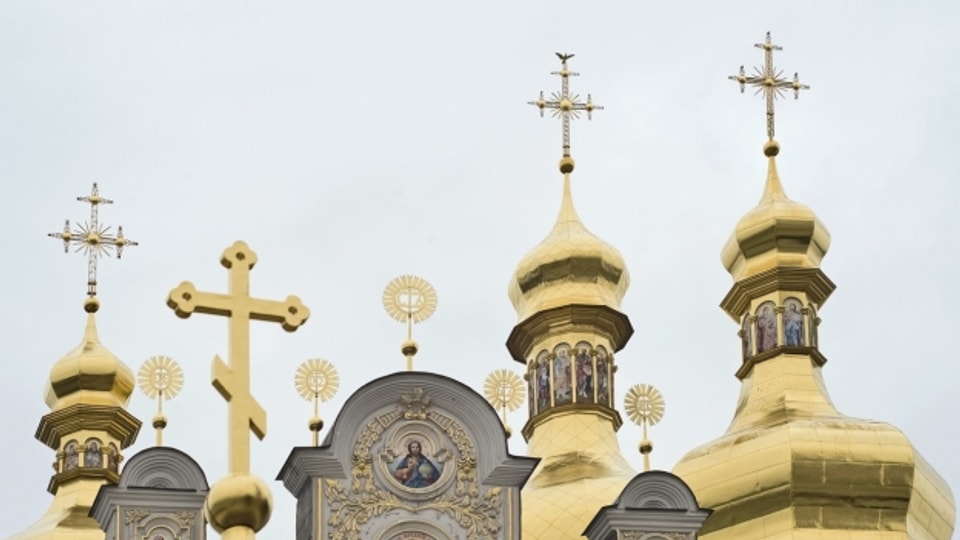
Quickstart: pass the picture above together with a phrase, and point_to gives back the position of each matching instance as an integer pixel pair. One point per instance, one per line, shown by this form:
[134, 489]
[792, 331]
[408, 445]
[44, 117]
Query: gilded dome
[570, 266]
[778, 232]
[90, 374]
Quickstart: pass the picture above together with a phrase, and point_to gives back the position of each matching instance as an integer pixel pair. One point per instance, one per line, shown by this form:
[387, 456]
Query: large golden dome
[570, 266]
[90, 374]
[791, 466]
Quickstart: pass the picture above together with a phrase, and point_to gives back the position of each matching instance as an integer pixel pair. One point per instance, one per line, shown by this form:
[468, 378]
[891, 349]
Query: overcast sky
[351, 142]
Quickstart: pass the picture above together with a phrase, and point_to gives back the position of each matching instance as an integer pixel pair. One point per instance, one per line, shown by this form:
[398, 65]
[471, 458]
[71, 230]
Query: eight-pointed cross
[233, 380]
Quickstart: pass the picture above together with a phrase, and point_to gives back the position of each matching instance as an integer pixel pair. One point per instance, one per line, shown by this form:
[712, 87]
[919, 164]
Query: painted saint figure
[543, 386]
[71, 457]
[415, 470]
[747, 336]
[603, 384]
[793, 323]
[91, 455]
[584, 375]
[766, 328]
[562, 378]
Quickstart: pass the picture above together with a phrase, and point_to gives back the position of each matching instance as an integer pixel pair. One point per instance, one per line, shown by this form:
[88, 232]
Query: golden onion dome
[89, 374]
[779, 232]
[570, 266]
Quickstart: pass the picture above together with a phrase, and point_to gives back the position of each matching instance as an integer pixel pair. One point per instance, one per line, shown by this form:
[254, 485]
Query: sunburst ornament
[410, 299]
[505, 391]
[316, 380]
[160, 378]
[645, 407]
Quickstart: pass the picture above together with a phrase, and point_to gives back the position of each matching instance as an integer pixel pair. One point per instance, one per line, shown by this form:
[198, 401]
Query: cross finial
[566, 106]
[240, 501]
[769, 81]
[92, 238]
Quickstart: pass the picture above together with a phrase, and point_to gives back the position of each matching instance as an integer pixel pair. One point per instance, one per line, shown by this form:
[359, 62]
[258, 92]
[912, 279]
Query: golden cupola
[88, 425]
[567, 294]
[89, 374]
[790, 465]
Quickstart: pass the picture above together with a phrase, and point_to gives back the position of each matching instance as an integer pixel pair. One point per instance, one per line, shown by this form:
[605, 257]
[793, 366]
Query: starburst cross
[565, 105]
[92, 238]
[769, 81]
[232, 380]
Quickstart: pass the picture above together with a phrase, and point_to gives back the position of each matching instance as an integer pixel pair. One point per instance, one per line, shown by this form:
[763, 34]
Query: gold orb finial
[239, 500]
[645, 407]
[316, 380]
[410, 299]
[160, 378]
[505, 391]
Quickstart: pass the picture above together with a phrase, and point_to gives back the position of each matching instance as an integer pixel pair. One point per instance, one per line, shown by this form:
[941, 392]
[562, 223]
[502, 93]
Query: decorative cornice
[811, 281]
[574, 408]
[96, 473]
[117, 422]
[747, 367]
[601, 319]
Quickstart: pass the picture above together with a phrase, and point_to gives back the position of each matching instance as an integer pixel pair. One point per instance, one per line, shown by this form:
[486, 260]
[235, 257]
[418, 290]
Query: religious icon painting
[92, 457]
[562, 376]
[793, 322]
[766, 327]
[746, 335]
[584, 373]
[543, 382]
[603, 378]
[414, 468]
[531, 396]
[71, 456]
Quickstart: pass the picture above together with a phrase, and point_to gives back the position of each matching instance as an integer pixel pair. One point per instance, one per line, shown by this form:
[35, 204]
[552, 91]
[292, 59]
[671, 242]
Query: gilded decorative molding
[135, 515]
[479, 516]
[185, 519]
[643, 535]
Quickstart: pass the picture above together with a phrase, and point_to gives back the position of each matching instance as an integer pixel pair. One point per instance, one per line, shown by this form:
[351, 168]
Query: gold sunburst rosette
[410, 299]
[160, 377]
[505, 391]
[316, 380]
[645, 407]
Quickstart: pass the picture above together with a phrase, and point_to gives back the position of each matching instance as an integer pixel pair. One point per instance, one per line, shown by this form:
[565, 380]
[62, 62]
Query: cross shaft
[769, 81]
[232, 379]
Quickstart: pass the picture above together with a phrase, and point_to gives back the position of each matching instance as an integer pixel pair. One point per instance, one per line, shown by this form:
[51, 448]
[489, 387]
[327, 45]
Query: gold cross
[92, 238]
[563, 104]
[769, 81]
[233, 380]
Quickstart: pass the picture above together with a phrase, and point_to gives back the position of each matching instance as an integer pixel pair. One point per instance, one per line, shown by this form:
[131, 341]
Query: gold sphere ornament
[644, 404]
[317, 379]
[239, 500]
[410, 298]
[504, 390]
[160, 376]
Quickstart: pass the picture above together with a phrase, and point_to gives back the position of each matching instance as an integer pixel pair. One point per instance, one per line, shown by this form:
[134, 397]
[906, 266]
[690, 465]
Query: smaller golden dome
[570, 266]
[90, 374]
[778, 232]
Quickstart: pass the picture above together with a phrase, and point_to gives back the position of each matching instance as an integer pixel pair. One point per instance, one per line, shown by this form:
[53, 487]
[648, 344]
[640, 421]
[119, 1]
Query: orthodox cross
[92, 238]
[565, 105]
[769, 81]
[232, 380]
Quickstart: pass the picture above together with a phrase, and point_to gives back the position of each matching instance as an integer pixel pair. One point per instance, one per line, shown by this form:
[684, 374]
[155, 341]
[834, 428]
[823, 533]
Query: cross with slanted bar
[769, 81]
[233, 380]
[563, 104]
[92, 238]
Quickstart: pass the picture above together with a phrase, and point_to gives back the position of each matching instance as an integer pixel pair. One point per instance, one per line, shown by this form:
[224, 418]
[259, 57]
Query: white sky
[350, 142]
